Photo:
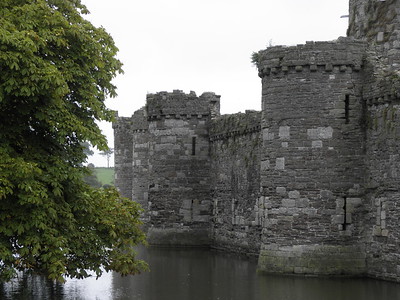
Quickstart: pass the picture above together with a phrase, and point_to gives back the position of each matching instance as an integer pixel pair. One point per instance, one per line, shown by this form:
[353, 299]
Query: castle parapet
[343, 55]
[178, 105]
[238, 124]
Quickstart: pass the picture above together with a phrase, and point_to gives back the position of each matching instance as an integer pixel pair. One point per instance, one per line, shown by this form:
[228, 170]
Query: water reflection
[183, 274]
[191, 274]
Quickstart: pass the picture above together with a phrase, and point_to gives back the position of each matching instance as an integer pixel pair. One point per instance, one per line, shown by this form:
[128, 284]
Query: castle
[309, 185]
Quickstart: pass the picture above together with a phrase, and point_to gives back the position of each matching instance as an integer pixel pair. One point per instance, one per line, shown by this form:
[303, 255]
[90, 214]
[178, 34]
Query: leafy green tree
[86, 149]
[55, 74]
[91, 179]
[107, 153]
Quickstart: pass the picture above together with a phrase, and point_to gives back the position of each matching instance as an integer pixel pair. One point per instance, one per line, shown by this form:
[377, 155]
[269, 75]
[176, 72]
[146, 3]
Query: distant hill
[105, 175]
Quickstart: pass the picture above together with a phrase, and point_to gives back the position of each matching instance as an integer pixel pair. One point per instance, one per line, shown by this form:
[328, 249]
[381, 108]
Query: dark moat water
[193, 274]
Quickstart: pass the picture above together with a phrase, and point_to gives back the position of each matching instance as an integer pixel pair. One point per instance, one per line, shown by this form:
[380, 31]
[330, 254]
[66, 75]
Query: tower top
[180, 104]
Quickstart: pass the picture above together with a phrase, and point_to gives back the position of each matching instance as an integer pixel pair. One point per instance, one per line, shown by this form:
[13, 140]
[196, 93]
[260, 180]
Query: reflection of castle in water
[310, 184]
[181, 274]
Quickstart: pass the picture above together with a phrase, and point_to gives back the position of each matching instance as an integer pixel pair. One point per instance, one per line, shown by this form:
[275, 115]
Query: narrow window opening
[194, 145]
[345, 212]
[347, 109]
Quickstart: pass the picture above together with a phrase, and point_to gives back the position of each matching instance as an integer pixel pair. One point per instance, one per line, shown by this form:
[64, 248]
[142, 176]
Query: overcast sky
[206, 45]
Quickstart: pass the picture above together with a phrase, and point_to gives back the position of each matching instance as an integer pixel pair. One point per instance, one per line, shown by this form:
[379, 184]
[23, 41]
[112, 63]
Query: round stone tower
[312, 158]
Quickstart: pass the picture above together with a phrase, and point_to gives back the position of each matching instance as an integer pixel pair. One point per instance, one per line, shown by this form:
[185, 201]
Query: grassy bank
[105, 175]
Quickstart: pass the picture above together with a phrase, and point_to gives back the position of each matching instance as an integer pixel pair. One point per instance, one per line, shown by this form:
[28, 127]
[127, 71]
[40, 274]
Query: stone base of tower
[179, 237]
[312, 260]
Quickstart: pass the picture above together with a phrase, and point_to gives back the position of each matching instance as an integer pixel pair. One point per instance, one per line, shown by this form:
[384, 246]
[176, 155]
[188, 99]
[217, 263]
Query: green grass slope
[105, 175]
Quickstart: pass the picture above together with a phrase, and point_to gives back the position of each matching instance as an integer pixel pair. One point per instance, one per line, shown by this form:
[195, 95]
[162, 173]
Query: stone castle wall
[310, 184]
[378, 22]
[383, 177]
[235, 173]
[382, 106]
[375, 21]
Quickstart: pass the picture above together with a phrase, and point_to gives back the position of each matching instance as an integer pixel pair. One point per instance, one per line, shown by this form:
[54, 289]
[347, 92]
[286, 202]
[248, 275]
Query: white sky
[204, 45]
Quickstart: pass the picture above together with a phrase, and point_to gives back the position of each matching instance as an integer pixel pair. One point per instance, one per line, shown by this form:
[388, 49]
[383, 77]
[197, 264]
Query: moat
[199, 274]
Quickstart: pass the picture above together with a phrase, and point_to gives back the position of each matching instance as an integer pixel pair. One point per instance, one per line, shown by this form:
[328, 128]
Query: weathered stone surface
[179, 237]
[311, 183]
[312, 259]
[235, 153]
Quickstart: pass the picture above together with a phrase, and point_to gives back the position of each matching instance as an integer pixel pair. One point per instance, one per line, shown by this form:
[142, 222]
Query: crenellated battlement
[341, 56]
[178, 105]
[228, 126]
[123, 123]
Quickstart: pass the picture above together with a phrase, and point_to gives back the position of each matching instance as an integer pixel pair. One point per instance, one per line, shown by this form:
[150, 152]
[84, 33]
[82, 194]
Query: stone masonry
[309, 185]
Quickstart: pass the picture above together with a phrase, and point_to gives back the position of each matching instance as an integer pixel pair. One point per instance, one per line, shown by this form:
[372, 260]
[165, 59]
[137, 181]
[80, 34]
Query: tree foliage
[55, 74]
[91, 178]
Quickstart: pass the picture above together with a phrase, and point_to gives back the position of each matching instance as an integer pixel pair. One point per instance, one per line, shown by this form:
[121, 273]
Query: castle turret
[179, 167]
[312, 158]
